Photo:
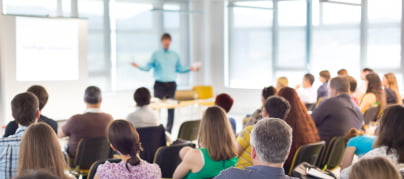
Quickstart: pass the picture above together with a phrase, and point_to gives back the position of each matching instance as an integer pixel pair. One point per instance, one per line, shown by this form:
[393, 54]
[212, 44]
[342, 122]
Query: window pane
[336, 48]
[292, 34]
[250, 17]
[250, 59]
[171, 18]
[384, 47]
[30, 7]
[329, 13]
[96, 57]
[381, 11]
[94, 11]
[131, 16]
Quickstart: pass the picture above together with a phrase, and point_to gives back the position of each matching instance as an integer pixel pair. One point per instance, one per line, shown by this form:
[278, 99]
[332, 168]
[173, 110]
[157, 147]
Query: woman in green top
[217, 152]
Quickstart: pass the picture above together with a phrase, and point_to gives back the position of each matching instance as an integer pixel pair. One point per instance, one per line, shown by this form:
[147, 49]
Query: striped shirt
[243, 140]
[9, 150]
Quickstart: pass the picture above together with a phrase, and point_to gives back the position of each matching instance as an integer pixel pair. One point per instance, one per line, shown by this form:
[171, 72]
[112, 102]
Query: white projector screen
[47, 49]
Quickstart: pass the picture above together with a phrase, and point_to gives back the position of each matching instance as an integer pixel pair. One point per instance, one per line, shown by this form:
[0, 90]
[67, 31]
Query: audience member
[307, 94]
[144, 116]
[37, 174]
[304, 129]
[282, 82]
[217, 152]
[357, 144]
[322, 91]
[361, 90]
[225, 101]
[257, 115]
[124, 139]
[337, 114]
[275, 107]
[88, 125]
[42, 95]
[352, 88]
[390, 140]
[391, 89]
[342, 72]
[375, 95]
[24, 108]
[40, 149]
[374, 168]
[271, 140]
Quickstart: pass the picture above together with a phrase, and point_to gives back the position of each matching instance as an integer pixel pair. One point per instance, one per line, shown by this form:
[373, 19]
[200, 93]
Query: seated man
[307, 94]
[92, 123]
[40, 92]
[225, 101]
[144, 116]
[25, 112]
[271, 140]
[337, 114]
[274, 107]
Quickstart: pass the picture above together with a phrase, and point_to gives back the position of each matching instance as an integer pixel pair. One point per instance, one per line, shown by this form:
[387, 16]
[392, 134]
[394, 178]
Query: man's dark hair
[277, 107]
[165, 36]
[325, 74]
[92, 95]
[309, 77]
[142, 96]
[342, 72]
[24, 107]
[352, 83]
[367, 70]
[41, 93]
[268, 91]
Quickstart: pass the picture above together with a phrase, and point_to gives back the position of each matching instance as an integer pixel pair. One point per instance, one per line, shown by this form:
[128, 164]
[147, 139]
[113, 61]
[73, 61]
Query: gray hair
[272, 139]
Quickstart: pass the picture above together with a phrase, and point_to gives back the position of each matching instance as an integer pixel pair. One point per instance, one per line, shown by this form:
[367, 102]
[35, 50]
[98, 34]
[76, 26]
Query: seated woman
[257, 115]
[375, 95]
[304, 128]
[225, 101]
[217, 152]
[357, 144]
[124, 139]
[40, 149]
[374, 168]
[391, 88]
[390, 140]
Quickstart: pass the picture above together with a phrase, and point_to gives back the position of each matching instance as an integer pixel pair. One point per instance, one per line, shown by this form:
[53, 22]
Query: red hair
[225, 101]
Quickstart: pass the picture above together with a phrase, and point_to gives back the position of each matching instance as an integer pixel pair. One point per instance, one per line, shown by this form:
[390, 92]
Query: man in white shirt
[144, 116]
[307, 94]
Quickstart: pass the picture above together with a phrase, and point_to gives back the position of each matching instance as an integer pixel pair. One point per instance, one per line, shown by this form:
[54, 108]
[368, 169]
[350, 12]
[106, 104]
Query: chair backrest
[189, 130]
[371, 114]
[151, 138]
[185, 95]
[309, 153]
[168, 158]
[204, 92]
[94, 166]
[90, 150]
[334, 153]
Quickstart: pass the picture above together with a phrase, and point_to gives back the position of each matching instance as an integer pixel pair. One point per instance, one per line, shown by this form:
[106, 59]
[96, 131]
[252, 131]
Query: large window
[310, 36]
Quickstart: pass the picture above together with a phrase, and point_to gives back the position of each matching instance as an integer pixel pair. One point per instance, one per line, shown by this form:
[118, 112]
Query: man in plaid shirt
[25, 111]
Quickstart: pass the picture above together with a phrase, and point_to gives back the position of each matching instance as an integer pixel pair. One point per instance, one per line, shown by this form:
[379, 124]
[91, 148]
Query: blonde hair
[374, 168]
[282, 82]
[40, 149]
[216, 135]
[393, 85]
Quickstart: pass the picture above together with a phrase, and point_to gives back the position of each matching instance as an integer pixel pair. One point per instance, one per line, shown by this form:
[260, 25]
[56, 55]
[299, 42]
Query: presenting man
[166, 64]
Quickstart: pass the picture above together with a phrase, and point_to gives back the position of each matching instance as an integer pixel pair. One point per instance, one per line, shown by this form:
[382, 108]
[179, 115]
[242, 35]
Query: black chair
[88, 151]
[334, 153]
[94, 166]
[371, 114]
[151, 138]
[168, 158]
[189, 130]
[309, 153]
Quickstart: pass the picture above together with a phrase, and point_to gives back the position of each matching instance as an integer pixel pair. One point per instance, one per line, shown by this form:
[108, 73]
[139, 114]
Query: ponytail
[134, 158]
